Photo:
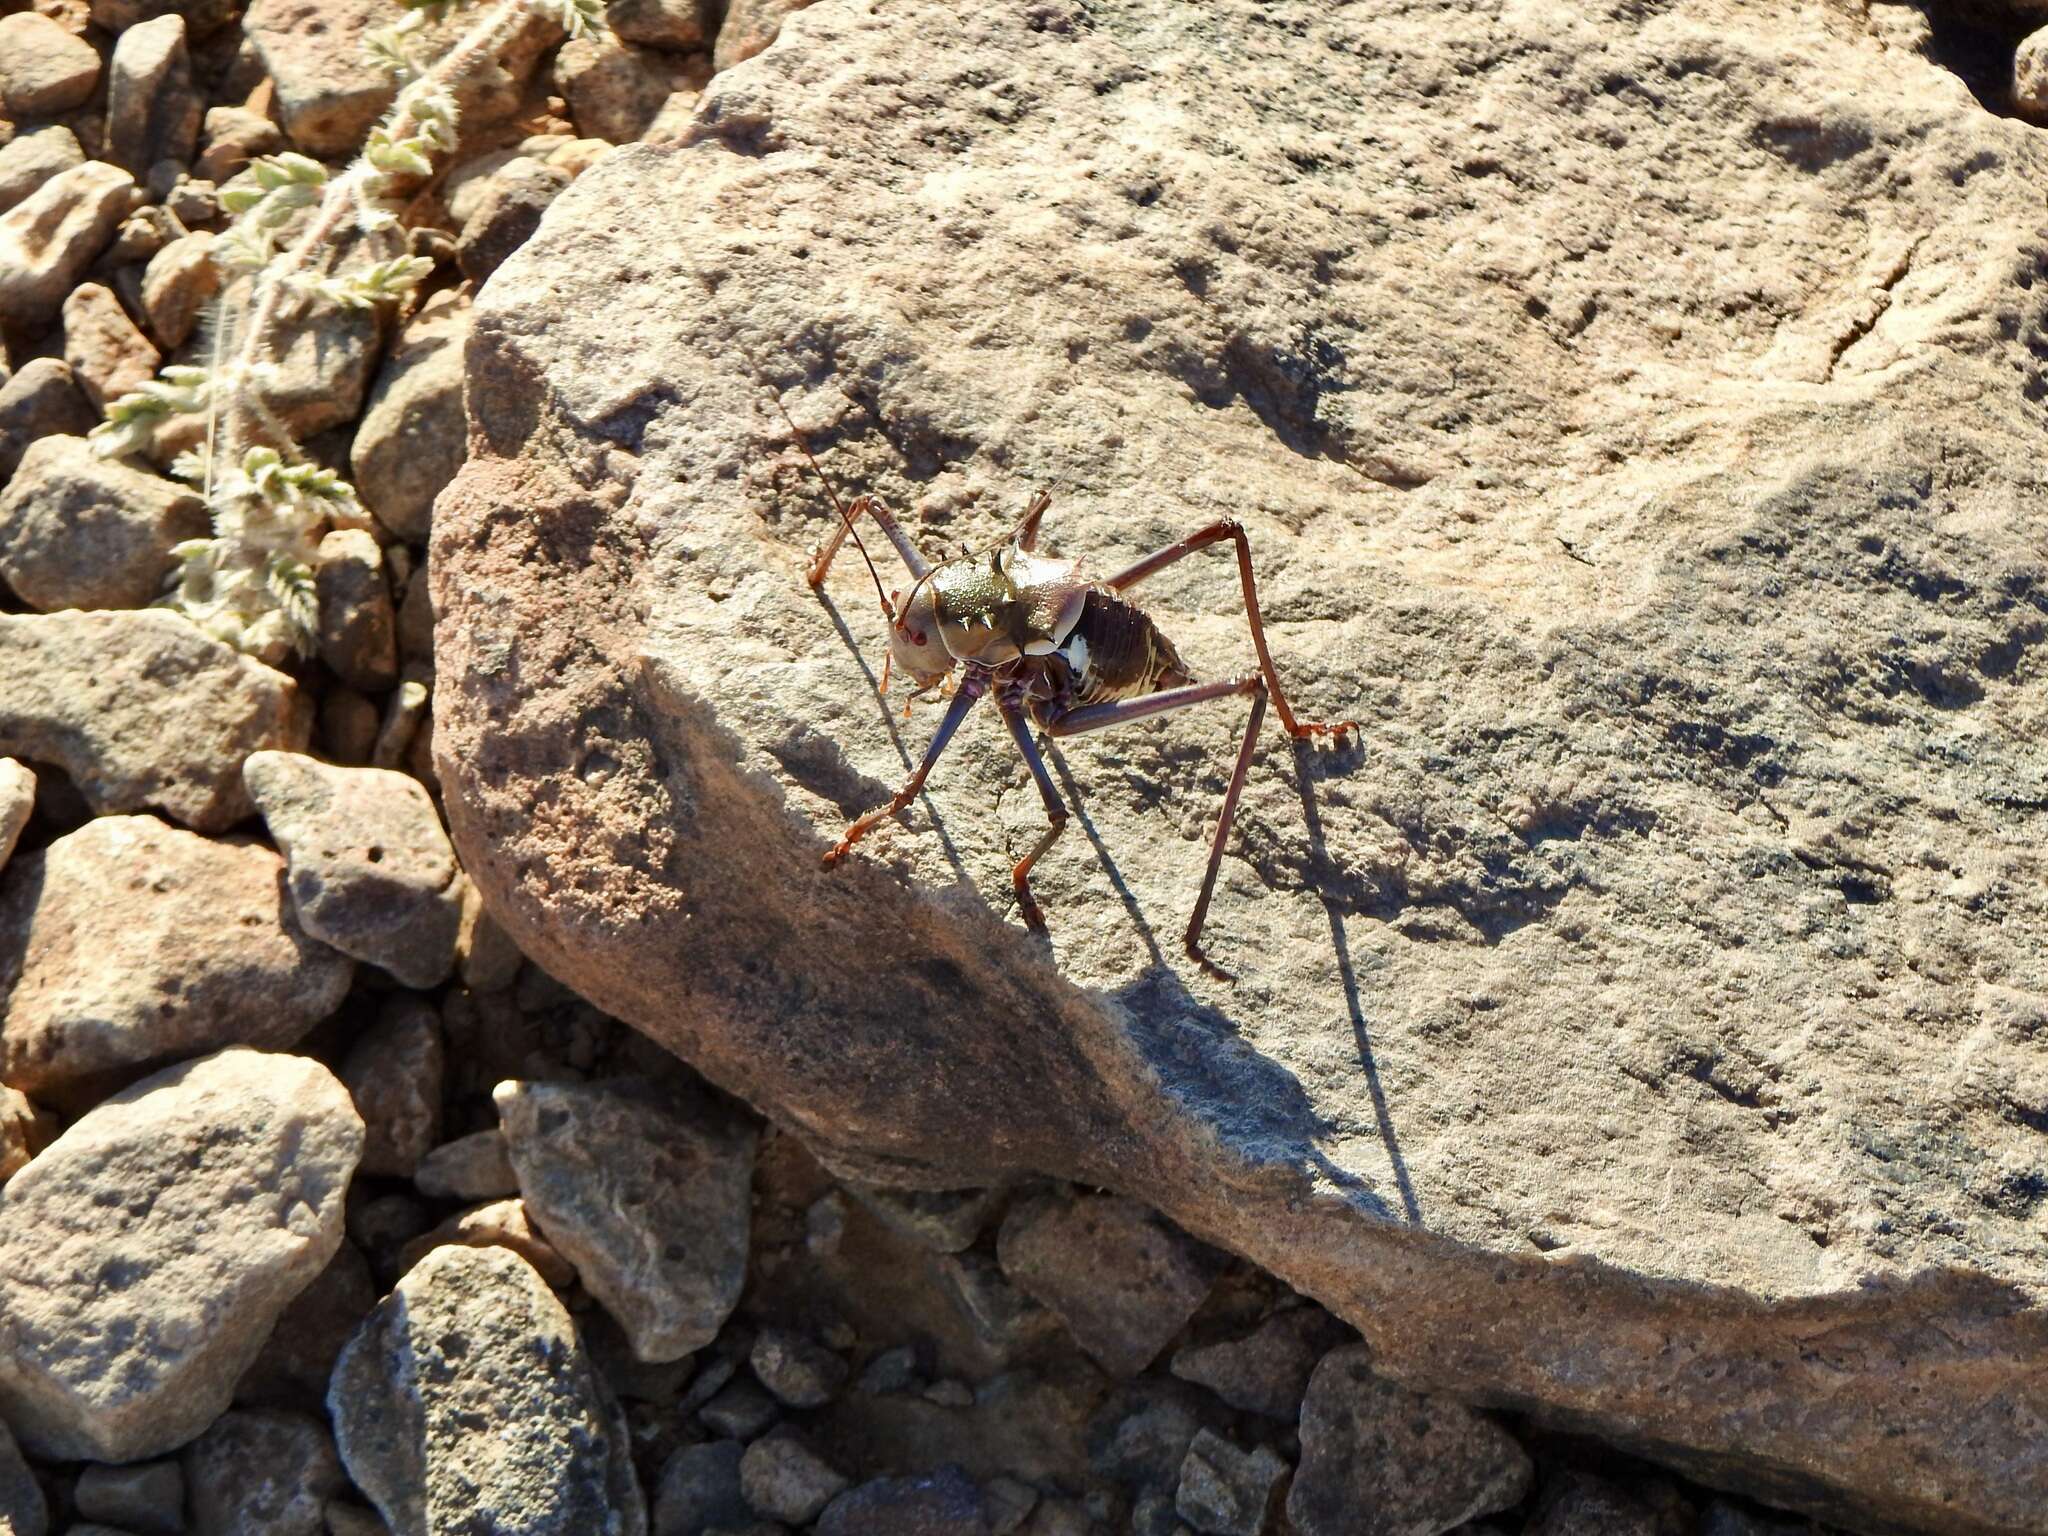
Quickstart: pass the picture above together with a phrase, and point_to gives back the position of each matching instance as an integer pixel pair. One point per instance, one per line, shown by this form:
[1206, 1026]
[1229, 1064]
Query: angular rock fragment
[357, 625]
[1006, 1322]
[748, 27]
[145, 1497]
[699, 1490]
[741, 1410]
[1120, 1276]
[1140, 1438]
[651, 1207]
[467, 1402]
[393, 1072]
[23, 1510]
[231, 137]
[485, 955]
[143, 711]
[621, 92]
[146, 1254]
[153, 111]
[81, 531]
[494, 1224]
[24, 1131]
[1379, 1460]
[945, 1221]
[1267, 1370]
[108, 356]
[29, 160]
[784, 1479]
[17, 804]
[507, 214]
[129, 942]
[800, 1372]
[680, 26]
[293, 1367]
[1226, 1490]
[263, 1472]
[52, 235]
[41, 400]
[941, 1503]
[371, 871]
[473, 1167]
[44, 70]
[179, 281]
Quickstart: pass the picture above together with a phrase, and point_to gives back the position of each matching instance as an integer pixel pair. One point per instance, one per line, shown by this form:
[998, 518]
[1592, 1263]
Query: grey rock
[1121, 1277]
[44, 70]
[414, 433]
[325, 357]
[507, 214]
[108, 355]
[800, 1372]
[153, 110]
[941, 1503]
[1379, 1460]
[81, 531]
[945, 1221]
[24, 1131]
[51, 236]
[891, 1370]
[651, 1207]
[467, 1402]
[41, 400]
[358, 626]
[1139, 1440]
[740, 1410]
[750, 26]
[393, 1072]
[17, 804]
[146, 1254]
[494, 1224]
[784, 1479]
[1267, 1370]
[1006, 1322]
[129, 942]
[29, 160]
[179, 282]
[370, 870]
[143, 711]
[680, 26]
[146, 1497]
[23, 1509]
[699, 1490]
[263, 1472]
[293, 1367]
[1226, 1490]
[473, 1167]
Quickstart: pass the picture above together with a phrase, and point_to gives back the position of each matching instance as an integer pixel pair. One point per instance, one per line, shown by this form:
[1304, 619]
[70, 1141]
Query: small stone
[507, 215]
[680, 26]
[741, 1410]
[1009, 1502]
[1267, 1370]
[24, 1131]
[179, 282]
[323, 360]
[193, 201]
[749, 27]
[358, 626]
[142, 234]
[786, 1480]
[201, 16]
[485, 956]
[292, 1369]
[1140, 1440]
[147, 1497]
[44, 70]
[125, 1337]
[143, 711]
[1225, 1490]
[152, 108]
[699, 1490]
[53, 234]
[497, 1224]
[414, 433]
[1379, 1460]
[43, 400]
[1120, 1276]
[230, 138]
[371, 871]
[473, 1167]
[263, 1472]
[394, 1075]
[1154, 1515]
[405, 711]
[941, 1503]
[17, 804]
[621, 92]
[23, 1511]
[825, 1224]
[108, 355]
[945, 1221]
[29, 160]
[128, 942]
[467, 1402]
[81, 531]
[892, 1370]
[652, 1208]
[1006, 1322]
[2030, 75]
[800, 1373]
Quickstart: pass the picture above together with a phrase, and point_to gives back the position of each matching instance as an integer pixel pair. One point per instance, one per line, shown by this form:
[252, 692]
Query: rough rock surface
[472, 1167]
[143, 710]
[24, 1131]
[17, 804]
[153, 112]
[1634, 425]
[128, 943]
[394, 1072]
[80, 531]
[23, 1510]
[146, 1497]
[650, 1206]
[108, 354]
[145, 1255]
[50, 236]
[468, 1403]
[41, 400]
[413, 433]
[263, 1473]
[28, 160]
[44, 70]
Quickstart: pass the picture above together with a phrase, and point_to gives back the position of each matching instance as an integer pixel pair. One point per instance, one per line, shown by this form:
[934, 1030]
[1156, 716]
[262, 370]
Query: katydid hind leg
[1055, 816]
[955, 713]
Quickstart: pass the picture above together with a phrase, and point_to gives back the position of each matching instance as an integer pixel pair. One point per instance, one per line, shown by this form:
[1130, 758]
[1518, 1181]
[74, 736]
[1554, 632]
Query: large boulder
[1638, 425]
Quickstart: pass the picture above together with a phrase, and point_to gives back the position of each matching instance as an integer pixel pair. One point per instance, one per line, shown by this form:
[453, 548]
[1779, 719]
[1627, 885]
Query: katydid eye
[917, 637]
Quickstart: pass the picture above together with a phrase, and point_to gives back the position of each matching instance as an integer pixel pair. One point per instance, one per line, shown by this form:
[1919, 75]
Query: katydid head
[915, 646]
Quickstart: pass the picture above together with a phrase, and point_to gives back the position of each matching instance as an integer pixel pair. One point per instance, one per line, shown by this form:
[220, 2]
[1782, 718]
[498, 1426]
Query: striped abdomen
[1115, 651]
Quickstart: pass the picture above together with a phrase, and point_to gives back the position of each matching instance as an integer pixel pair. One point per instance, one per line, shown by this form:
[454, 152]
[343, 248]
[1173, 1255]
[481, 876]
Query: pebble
[414, 433]
[29, 160]
[17, 804]
[44, 70]
[1267, 1370]
[496, 1224]
[680, 26]
[507, 214]
[322, 363]
[473, 1167]
[405, 711]
[40, 401]
[193, 200]
[467, 1402]
[153, 111]
[1120, 1276]
[23, 1510]
[1226, 1490]
[740, 1410]
[24, 1131]
[1379, 1460]
[49, 238]
[650, 1206]
[393, 1073]
[263, 1472]
[941, 1503]
[786, 1480]
[129, 942]
[699, 1490]
[1140, 1439]
[148, 1252]
[749, 27]
[147, 1497]
[485, 956]
[292, 1368]
[108, 354]
[358, 626]
[81, 531]
[230, 138]
[891, 1370]
[143, 710]
[142, 234]
[621, 92]
[799, 1372]
[371, 872]
[179, 282]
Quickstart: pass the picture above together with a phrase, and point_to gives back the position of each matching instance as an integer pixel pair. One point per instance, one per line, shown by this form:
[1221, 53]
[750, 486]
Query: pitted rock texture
[1637, 420]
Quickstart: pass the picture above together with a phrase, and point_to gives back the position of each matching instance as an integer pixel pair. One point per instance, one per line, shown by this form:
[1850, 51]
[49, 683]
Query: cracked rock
[81, 531]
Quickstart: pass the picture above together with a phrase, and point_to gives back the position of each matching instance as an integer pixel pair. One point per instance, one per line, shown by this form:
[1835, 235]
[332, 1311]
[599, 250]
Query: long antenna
[839, 507]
